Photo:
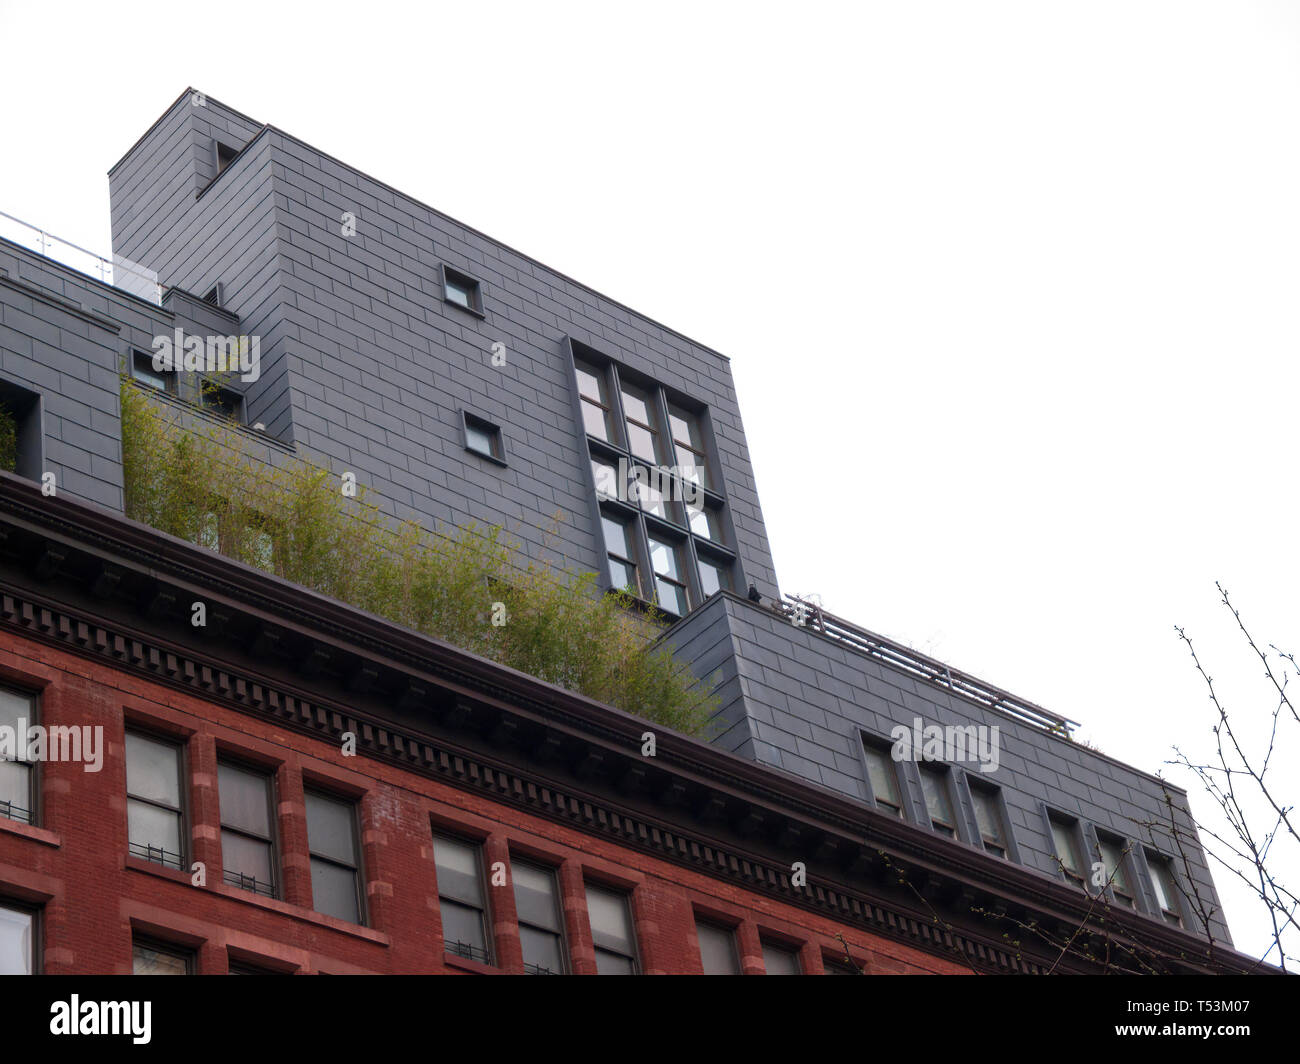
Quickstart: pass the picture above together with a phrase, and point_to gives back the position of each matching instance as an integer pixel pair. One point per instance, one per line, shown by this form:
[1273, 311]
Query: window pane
[242, 856]
[703, 521]
[535, 896]
[615, 537]
[717, 950]
[1066, 849]
[1113, 858]
[663, 556]
[15, 942]
[710, 578]
[672, 597]
[542, 950]
[641, 443]
[937, 803]
[479, 439]
[685, 428]
[613, 964]
[153, 770]
[988, 817]
[611, 921]
[623, 576]
[606, 478]
[594, 421]
[142, 370]
[634, 406]
[244, 796]
[331, 828]
[16, 791]
[458, 870]
[150, 826]
[334, 890]
[591, 383]
[780, 961]
[462, 931]
[458, 293]
[147, 961]
[884, 780]
[15, 707]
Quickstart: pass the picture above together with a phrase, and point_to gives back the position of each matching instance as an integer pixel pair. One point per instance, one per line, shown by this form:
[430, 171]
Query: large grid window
[717, 949]
[155, 808]
[1065, 841]
[541, 931]
[1165, 885]
[17, 940]
[17, 773]
[988, 818]
[660, 509]
[156, 958]
[335, 856]
[1112, 858]
[461, 898]
[882, 774]
[247, 828]
[611, 931]
[938, 800]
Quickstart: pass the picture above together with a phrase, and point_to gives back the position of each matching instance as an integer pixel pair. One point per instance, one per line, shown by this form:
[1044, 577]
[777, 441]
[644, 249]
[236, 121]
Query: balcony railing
[925, 668]
[118, 272]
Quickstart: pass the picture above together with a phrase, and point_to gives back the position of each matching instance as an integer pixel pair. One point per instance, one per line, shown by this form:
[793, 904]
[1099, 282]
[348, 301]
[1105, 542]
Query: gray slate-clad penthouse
[381, 324]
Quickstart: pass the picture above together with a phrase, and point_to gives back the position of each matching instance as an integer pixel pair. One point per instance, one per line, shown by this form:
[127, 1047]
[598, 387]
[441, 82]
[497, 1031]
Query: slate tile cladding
[367, 366]
[797, 700]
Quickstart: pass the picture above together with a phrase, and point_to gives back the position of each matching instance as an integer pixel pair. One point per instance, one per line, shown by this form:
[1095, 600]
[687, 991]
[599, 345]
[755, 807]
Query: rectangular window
[461, 898]
[1166, 887]
[670, 591]
[154, 958]
[335, 856]
[1066, 843]
[247, 828]
[988, 815]
[462, 290]
[541, 932]
[155, 809]
[483, 437]
[17, 773]
[597, 414]
[780, 960]
[717, 949]
[623, 572]
[142, 370]
[1112, 857]
[17, 940]
[223, 402]
[688, 445]
[704, 522]
[883, 776]
[938, 802]
[611, 931]
[642, 438]
[713, 577]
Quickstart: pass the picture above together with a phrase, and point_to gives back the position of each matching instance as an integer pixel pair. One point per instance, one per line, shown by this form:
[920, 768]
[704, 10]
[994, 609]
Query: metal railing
[918, 665]
[119, 272]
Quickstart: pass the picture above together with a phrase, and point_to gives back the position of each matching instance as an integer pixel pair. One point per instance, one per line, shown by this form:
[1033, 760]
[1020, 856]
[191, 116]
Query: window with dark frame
[610, 914]
[1065, 841]
[1165, 885]
[462, 290]
[158, 958]
[213, 297]
[717, 948]
[461, 898]
[780, 959]
[18, 710]
[541, 922]
[938, 799]
[1112, 856]
[247, 800]
[143, 371]
[225, 156]
[483, 437]
[335, 856]
[882, 774]
[17, 939]
[221, 401]
[673, 526]
[624, 573]
[155, 805]
[989, 819]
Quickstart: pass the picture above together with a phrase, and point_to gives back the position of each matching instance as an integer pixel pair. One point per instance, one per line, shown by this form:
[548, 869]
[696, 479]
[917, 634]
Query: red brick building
[487, 822]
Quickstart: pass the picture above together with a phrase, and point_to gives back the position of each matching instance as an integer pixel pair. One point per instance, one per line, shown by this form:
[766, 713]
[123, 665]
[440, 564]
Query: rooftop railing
[809, 614]
[118, 272]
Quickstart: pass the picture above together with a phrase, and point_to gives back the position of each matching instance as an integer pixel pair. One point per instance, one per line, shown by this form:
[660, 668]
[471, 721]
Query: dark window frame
[358, 869]
[729, 930]
[485, 913]
[625, 898]
[223, 155]
[453, 278]
[871, 745]
[1072, 828]
[979, 789]
[181, 746]
[768, 942]
[170, 949]
[33, 768]
[210, 390]
[468, 419]
[1156, 861]
[941, 774]
[559, 932]
[273, 841]
[170, 377]
[34, 912]
[1127, 897]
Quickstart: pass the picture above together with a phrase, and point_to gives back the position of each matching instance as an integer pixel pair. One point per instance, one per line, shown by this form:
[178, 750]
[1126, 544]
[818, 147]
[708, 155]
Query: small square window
[483, 438]
[143, 371]
[224, 402]
[462, 290]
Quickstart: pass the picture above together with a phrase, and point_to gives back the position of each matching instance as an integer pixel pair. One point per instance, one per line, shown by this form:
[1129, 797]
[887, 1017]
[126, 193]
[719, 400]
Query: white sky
[1009, 288]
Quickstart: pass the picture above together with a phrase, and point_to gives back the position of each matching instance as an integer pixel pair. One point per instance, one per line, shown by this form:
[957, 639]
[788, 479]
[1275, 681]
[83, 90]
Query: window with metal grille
[541, 927]
[17, 772]
[155, 805]
[247, 801]
[461, 898]
[611, 931]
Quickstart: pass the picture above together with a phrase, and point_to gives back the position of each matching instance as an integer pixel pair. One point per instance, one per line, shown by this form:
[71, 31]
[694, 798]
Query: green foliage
[204, 484]
[8, 441]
